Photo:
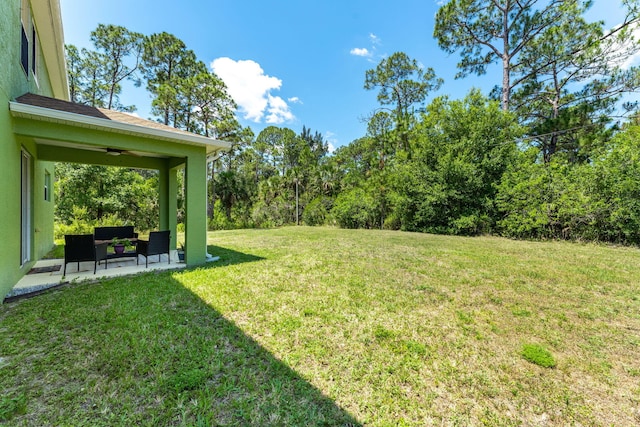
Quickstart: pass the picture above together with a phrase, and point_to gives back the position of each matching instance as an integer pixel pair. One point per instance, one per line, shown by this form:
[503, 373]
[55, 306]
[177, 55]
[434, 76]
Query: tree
[449, 186]
[212, 107]
[576, 78]
[96, 76]
[355, 162]
[106, 192]
[86, 79]
[230, 131]
[279, 146]
[327, 179]
[490, 31]
[231, 188]
[165, 62]
[316, 142]
[74, 72]
[617, 186]
[379, 130]
[403, 83]
[115, 46]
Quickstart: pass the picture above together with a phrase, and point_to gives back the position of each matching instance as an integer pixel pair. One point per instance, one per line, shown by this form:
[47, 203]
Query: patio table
[133, 254]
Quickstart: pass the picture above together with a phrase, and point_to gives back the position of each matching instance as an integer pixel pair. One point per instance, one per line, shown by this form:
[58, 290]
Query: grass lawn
[320, 326]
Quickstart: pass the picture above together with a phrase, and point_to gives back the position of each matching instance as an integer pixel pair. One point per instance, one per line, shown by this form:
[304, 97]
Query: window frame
[47, 186]
[24, 50]
[34, 49]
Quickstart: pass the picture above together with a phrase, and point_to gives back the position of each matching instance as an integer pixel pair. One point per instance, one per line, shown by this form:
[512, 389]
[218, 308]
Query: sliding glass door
[25, 213]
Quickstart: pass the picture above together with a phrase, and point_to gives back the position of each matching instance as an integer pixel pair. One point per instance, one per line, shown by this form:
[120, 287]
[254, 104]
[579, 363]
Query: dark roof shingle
[87, 110]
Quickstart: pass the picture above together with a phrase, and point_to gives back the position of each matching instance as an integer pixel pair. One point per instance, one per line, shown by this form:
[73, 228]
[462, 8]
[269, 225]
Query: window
[24, 51]
[47, 186]
[34, 48]
[25, 214]
[25, 15]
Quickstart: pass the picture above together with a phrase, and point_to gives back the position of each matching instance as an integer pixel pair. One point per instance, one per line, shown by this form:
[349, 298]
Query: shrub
[81, 224]
[472, 224]
[315, 213]
[392, 222]
[220, 220]
[355, 209]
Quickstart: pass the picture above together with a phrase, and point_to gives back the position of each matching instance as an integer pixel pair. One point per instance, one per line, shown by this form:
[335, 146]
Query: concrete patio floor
[37, 282]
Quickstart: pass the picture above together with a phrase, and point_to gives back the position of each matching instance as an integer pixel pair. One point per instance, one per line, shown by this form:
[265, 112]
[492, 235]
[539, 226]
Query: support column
[172, 206]
[163, 198]
[196, 208]
[168, 201]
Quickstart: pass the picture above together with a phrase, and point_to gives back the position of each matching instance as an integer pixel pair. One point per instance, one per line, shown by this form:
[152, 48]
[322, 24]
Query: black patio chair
[157, 244]
[82, 247]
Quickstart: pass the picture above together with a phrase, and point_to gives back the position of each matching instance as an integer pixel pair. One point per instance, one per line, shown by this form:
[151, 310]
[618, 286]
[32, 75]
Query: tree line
[551, 152]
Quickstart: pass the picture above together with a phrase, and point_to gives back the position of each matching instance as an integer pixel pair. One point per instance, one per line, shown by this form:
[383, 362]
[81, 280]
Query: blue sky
[292, 63]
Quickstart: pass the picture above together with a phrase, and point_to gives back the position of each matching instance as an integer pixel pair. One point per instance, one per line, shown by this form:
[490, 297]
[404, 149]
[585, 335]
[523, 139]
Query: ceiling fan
[117, 152]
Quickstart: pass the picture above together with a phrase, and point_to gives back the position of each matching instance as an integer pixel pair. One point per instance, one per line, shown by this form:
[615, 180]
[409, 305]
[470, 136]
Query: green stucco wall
[13, 80]
[13, 83]
[43, 210]
[196, 209]
[17, 134]
[10, 206]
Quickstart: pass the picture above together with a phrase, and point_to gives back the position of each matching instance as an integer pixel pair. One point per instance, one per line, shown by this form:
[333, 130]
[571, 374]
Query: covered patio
[47, 273]
[63, 131]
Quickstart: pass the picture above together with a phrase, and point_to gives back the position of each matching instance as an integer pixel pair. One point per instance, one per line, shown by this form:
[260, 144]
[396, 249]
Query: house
[39, 127]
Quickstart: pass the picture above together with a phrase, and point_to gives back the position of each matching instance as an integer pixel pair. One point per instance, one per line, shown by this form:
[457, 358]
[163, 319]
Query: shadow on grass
[231, 257]
[145, 350]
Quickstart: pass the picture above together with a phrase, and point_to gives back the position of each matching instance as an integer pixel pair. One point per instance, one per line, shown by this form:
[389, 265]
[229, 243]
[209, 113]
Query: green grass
[538, 355]
[319, 326]
[57, 252]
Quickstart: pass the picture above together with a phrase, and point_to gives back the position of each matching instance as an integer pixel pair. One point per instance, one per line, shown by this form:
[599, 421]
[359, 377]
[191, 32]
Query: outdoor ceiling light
[113, 152]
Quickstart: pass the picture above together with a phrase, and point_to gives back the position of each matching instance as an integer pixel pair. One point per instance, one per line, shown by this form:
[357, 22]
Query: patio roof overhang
[62, 131]
[146, 133]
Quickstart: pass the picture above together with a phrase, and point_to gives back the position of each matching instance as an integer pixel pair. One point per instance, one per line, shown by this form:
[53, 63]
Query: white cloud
[277, 110]
[617, 48]
[358, 51]
[251, 88]
[633, 59]
[294, 100]
[371, 52]
[331, 141]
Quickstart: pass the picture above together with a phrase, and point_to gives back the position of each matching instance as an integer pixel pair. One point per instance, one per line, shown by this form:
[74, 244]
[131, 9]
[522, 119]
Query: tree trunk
[506, 60]
[552, 146]
[506, 82]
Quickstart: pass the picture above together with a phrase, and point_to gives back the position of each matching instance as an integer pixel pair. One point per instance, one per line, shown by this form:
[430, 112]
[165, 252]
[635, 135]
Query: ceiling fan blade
[113, 151]
[117, 152]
